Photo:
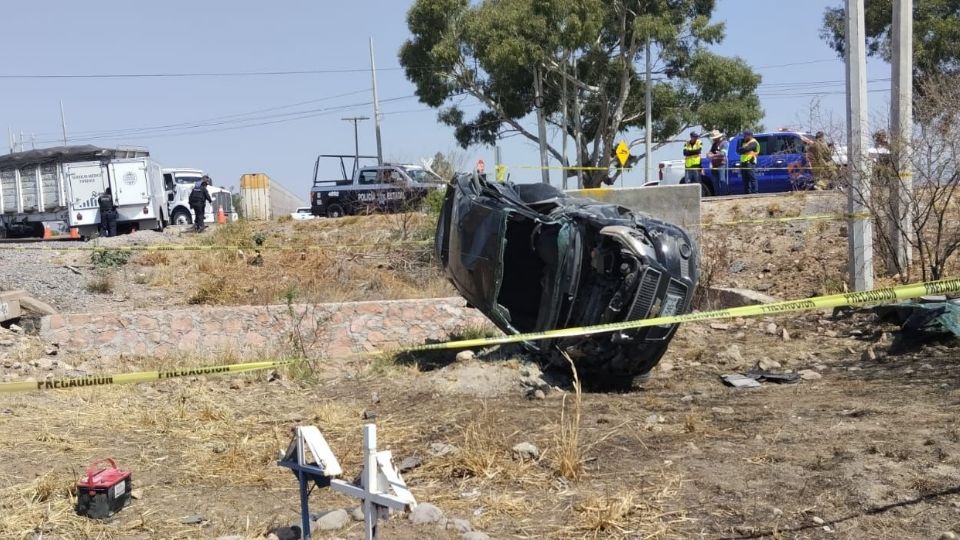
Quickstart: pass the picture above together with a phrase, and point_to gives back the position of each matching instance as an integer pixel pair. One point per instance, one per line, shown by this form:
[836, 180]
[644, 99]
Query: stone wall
[256, 331]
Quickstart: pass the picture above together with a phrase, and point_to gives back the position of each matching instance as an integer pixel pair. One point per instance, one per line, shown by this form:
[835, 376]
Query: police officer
[108, 213]
[199, 197]
[691, 159]
[748, 150]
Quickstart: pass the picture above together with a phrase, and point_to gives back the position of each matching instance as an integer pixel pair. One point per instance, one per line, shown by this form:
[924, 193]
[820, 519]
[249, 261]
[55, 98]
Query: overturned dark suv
[532, 258]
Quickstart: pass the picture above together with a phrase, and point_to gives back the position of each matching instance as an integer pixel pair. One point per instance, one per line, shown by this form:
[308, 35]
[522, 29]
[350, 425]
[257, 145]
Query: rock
[869, 354]
[475, 535]
[333, 520]
[719, 326]
[525, 451]
[666, 366]
[409, 463]
[730, 355]
[51, 351]
[728, 297]
[818, 520]
[766, 364]
[770, 328]
[534, 381]
[136, 494]
[292, 532]
[777, 512]
[235, 385]
[948, 535]
[195, 519]
[465, 356]
[440, 449]
[784, 335]
[459, 525]
[686, 399]
[853, 368]
[426, 513]
[43, 363]
[538, 394]
[15, 329]
[653, 419]
[737, 266]
[926, 366]
[232, 537]
[356, 513]
[722, 410]
[809, 375]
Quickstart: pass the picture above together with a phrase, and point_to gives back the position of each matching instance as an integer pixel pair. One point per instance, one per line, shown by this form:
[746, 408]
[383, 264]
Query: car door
[734, 178]
[792, 159]
[766, 170]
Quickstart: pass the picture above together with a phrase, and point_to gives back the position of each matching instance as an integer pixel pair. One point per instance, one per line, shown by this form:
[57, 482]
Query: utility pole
[376, 104]
[63, 123]
[356, 140]
[10, 137]
[901, 131]
[541, 124]
[576, 128]
[860, 228]
[563, 145]
[648, 128]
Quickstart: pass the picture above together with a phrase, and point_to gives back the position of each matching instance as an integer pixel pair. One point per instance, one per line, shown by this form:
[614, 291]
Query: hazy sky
[278, 124]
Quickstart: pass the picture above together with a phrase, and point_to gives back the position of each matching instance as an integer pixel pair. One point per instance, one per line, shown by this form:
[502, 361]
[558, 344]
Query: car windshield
[423, 176]
[180, 179]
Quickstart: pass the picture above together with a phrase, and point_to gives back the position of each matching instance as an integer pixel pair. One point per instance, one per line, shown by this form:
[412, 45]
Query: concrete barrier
[677, 204]
[257, 331]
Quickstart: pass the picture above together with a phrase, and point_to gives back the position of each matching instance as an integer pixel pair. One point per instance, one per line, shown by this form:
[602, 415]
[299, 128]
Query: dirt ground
[866, 446]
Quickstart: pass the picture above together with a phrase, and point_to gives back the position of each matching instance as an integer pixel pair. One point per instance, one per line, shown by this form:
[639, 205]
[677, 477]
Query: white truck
[62, 184]
[179, 183]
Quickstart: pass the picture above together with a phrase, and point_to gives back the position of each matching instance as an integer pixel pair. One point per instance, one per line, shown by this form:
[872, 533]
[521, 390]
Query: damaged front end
[532, 259]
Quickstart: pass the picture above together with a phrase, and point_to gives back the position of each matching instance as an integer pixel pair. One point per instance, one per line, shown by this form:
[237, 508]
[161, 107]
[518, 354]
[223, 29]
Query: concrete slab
[677, 204]
[10, 305]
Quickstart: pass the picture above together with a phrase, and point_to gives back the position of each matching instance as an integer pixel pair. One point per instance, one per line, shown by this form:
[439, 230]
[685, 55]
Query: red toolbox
[104, 491]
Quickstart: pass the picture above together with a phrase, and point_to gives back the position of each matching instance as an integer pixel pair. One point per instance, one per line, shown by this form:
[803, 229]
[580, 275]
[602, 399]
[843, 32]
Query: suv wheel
[334, 210]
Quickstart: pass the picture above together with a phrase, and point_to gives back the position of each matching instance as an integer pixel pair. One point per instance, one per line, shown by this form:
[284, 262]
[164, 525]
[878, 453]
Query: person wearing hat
[691, 159]
[748, 150]
[718, 160]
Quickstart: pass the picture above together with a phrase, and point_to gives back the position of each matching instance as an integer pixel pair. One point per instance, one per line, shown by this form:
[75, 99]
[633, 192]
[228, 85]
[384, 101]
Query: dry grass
[350, 259]
[634, 513]
[569, 455]
[101, 283]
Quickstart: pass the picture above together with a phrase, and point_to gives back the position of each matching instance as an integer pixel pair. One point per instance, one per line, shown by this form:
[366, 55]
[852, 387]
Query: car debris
[532, 258]
[754, 377]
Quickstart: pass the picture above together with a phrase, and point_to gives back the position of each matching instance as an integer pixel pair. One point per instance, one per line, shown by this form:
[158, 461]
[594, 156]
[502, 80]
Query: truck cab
[179, 183]
[781, 166]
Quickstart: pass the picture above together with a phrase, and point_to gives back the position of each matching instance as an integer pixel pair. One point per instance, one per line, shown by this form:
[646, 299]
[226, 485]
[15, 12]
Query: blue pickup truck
[781, 166]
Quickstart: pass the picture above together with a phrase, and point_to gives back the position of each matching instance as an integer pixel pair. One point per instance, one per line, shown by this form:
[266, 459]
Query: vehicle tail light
[146, 210]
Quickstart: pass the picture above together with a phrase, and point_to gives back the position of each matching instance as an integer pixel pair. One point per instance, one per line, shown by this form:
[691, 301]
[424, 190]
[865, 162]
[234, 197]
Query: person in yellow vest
[748, 150]
[691, 159]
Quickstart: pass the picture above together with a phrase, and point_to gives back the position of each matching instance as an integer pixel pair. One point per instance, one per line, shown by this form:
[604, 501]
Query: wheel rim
[181, 219]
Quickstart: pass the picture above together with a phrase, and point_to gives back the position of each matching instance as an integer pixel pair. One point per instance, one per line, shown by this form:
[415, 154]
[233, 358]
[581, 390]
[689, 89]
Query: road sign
[623, 152]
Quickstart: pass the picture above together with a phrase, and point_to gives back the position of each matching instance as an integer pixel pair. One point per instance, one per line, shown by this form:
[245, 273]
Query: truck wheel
[334, 210]
[181, 217]
[705, 190]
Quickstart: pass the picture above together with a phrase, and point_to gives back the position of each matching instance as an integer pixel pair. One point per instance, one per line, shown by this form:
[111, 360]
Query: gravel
[45, 278]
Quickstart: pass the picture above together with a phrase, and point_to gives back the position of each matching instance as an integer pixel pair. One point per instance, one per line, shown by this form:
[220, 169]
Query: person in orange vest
[748, 150]
[691, 159]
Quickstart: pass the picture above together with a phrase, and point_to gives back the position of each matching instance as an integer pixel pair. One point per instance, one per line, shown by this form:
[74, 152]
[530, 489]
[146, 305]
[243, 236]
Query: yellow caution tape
[891, 294]
[138, 377]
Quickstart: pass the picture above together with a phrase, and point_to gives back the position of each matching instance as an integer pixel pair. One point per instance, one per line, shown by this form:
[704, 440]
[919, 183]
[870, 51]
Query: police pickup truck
[385, 188]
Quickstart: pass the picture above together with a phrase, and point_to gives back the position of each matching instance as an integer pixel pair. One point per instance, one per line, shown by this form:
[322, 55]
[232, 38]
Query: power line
[190, 75]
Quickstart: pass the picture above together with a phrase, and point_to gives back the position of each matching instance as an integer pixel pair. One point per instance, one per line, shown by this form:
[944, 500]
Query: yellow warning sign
[623, 152]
